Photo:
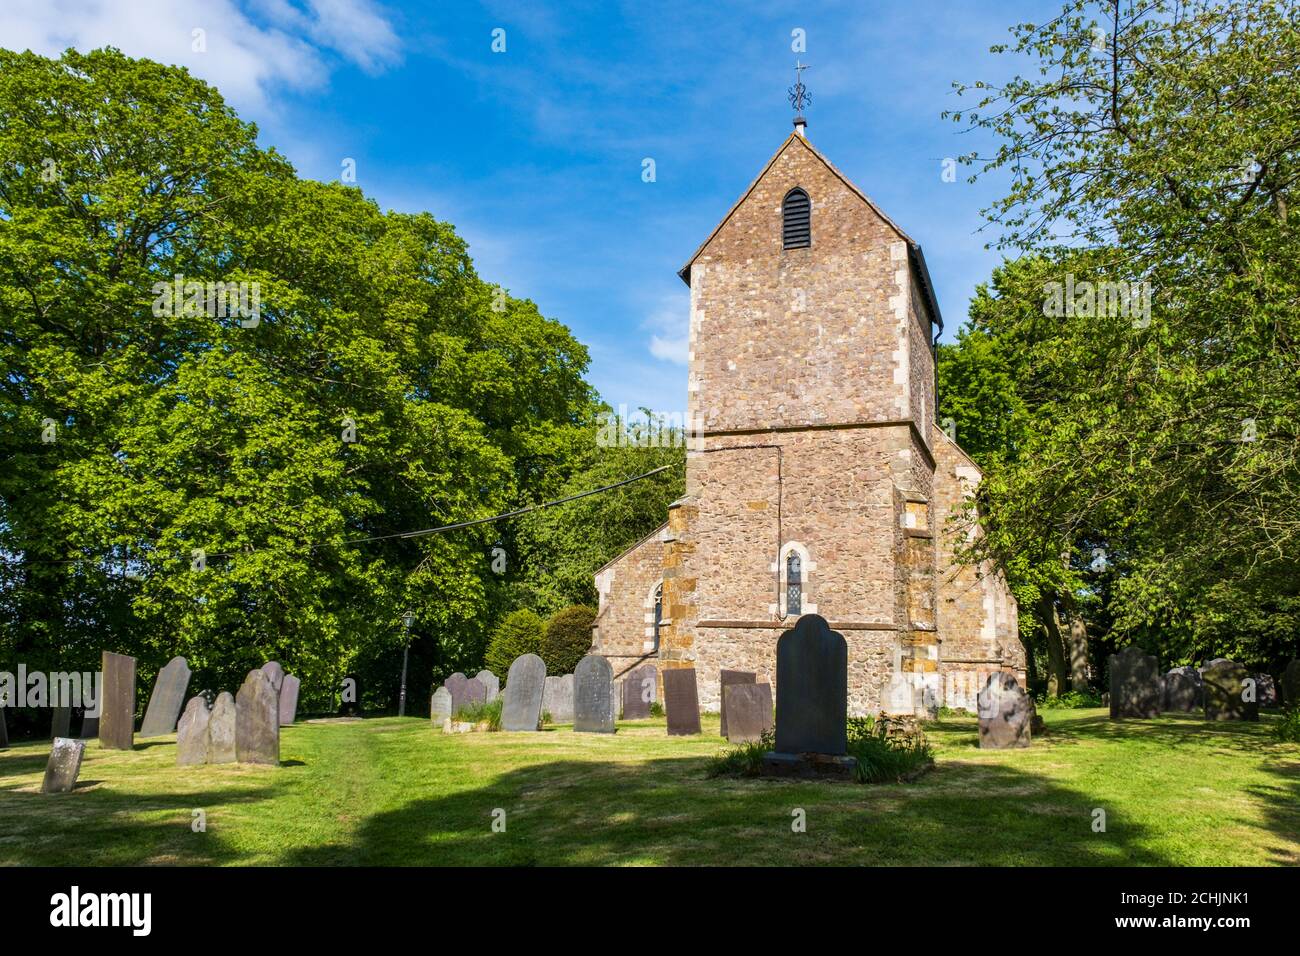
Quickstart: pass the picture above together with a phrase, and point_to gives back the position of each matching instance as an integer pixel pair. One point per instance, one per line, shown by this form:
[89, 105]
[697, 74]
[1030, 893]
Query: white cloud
[244, 59]
[670, 329]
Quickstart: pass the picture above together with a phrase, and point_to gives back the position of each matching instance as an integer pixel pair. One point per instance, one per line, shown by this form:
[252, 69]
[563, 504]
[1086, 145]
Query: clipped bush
[520, 632]
[567, 638]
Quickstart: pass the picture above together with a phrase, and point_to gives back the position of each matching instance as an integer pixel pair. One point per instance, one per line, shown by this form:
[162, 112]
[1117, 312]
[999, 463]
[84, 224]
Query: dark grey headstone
[117, 710]
[1225, 692]
[222, 729]
[1006, 713]
[1265, 690]
[640, 690]
[1136, 686]
[440, 706]
[1183, 690]
[749, 711]
[192, 733]
[593, 704]
[1291, 683]
[61, 722]
[681, 701]
[167, 699]
[465, 691]
[491, 683]
[812, 689]
[289, 700]
[89, 727]
[64, 765]
[257, 720]
[4, 729]
[557, 699]
[274, 673]
[725, 680]
[525, 683]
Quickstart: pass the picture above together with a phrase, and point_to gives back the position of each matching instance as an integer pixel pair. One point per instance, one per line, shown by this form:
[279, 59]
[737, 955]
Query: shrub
[520, 632]
[477, 711]
[1070, 700]
[744, 760]
[1288, 728]
[567, 638]
[887, 759]
[656, 709]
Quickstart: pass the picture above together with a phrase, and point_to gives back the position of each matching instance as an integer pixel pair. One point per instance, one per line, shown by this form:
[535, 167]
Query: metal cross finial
[799, 95]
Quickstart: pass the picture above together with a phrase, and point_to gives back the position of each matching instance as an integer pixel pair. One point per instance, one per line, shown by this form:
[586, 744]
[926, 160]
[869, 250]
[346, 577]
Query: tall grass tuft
[476, 712]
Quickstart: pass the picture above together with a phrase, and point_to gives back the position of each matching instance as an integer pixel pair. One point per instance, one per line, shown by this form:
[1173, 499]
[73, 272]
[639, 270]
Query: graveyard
[1176, 790]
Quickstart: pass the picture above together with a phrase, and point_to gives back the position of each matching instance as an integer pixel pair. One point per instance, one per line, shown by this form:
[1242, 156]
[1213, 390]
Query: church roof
[913, 247]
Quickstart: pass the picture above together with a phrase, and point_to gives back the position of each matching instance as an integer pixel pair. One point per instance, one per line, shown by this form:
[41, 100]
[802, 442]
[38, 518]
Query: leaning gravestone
[491, 683]
[65, 763]
[525, 683]
[1265, 690]
[289, 700]
[593, 704]
[557, 699]
[1183, 689]
[192, 733]
[1006, 713]
[1291, 683]
[725, 680]
[117, 709]
[1136, 688]
[257, 720]
[812, 702]
[167, 699]
[61, 724]
[274, 673]
[440, 707]
[681, 701]
[222, 729]
[639, 691]
[749, 711]
[1226, 690]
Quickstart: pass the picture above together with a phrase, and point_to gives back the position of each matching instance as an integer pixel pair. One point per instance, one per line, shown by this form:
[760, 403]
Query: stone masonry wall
[624, 628]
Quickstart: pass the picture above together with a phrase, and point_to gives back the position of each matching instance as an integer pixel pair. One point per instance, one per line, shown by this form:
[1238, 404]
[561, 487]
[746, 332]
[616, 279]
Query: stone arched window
[794, 571]
[796, 220]
[793, 584]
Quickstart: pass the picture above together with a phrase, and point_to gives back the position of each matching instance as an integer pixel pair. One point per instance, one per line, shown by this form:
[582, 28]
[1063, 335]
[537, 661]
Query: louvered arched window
[796, 220]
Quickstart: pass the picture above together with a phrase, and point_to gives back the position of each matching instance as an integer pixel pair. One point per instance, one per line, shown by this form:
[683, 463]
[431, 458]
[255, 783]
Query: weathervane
[799, 95]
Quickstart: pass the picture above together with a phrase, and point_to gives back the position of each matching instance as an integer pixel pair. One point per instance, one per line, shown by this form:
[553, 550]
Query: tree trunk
[1057, 672]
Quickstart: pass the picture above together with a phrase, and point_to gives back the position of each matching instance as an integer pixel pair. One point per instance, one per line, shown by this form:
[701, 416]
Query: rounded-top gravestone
[257, 720]
[491, 683]
[1183, 689]
[525, 682]
[274, 673]
[440, 706]
[1230, 693]
[1006, 713]
[1136, 686]
[812, 689]
[593, 702]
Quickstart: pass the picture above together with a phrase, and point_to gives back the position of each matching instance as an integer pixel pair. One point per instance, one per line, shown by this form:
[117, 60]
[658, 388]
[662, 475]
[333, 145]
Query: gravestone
[1136, 688]
[440, 707]
[725, 680]
[167, 699]
[274, 673]
[289, 700]
[639, 691]
[4, 728]
[61, 722]
[89, 726]
[1291, 683]
[525, 683]
[1265, 690]
[1006, 713]
[812, 702]
[465, 691]
[1183, 690]
[222, 729]
[117, 709]
[681, 701]
[898, 696]
[557, 699]
[749, 711]
[257, 720]
[64, 765]
[192, 733]
[1225, 690]
[593, 704]
[491, 683]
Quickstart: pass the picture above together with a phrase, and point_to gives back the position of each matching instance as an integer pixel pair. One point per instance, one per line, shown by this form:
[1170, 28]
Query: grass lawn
[1176, 790]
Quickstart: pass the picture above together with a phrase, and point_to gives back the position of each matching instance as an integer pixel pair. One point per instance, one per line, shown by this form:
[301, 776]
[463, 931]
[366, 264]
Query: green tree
[566, 638]
[520, 632]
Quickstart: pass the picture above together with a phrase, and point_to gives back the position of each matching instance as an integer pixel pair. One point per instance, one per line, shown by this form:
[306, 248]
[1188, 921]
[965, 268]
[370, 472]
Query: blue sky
[535, 154]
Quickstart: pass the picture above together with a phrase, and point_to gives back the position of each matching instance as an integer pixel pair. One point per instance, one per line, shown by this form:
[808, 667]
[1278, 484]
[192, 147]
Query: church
[820, 483]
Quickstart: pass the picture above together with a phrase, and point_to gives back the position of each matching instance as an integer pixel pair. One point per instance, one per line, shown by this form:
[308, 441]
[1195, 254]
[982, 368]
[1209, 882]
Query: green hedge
[520, 632]
[567, 638]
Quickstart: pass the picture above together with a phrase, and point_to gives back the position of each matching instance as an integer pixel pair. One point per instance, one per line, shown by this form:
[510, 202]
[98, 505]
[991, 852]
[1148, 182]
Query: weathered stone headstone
[89, 727]
[1265, 690]
[274, 673]
[1226, 692]
[440, 706]
[681, 701]
[557, 698]
[898, 696]
[491, 683]
[812, 703]
[1136, 687]
[749, 711]
[117, 710]
[1291, 683]
[465, 691]
[1183, 689]
[289, 700]
[167, 699]
[61, 722]
[64, 765]
[222, 729]
[525, 683]
[640, 690]
[725, 680]
[1006, 713]
[593, 704]
[257, 720]
[192, 740]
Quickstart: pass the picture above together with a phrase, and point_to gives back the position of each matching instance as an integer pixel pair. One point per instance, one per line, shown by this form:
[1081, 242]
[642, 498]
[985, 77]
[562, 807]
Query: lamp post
[407, 620]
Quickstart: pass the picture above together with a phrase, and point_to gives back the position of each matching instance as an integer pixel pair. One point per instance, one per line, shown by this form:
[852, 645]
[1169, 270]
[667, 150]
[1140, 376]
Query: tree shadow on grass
[668, 812]
[1168, 730]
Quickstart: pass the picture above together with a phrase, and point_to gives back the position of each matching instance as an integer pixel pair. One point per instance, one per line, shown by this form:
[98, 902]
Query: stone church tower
[821, 482]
